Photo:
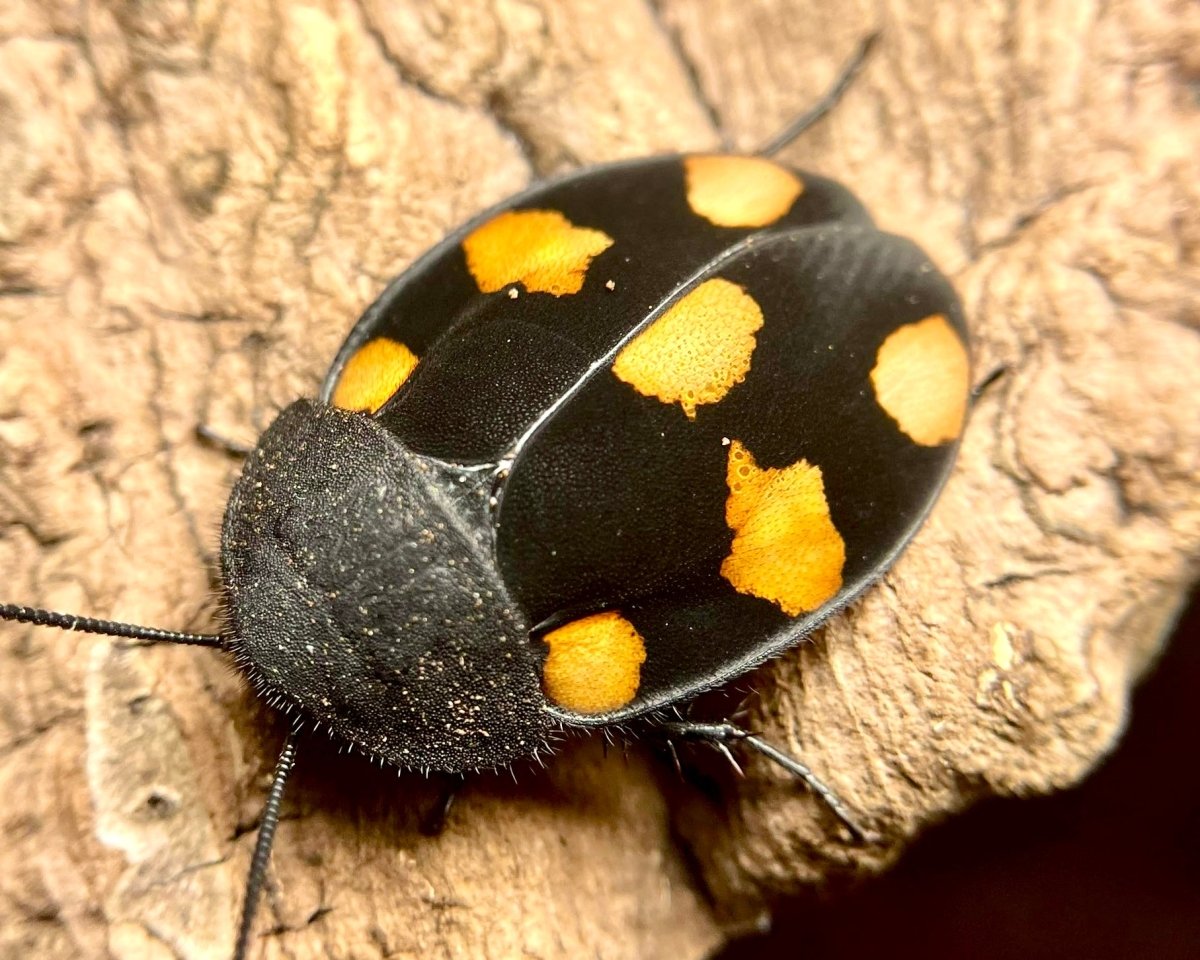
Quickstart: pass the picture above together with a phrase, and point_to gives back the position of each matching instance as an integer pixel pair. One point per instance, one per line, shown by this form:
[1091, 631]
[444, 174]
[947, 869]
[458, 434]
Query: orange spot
[697, 351]
[539, 248]
[921, 378]
[373, 374]
[785, 546]
[594, 664]
[733, 191]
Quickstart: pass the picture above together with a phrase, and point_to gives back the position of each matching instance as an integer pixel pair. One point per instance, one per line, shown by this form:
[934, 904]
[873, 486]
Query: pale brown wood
[197, 200]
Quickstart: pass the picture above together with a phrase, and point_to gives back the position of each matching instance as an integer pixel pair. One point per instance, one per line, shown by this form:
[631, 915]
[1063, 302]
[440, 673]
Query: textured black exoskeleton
[363, 593]
[652, 435]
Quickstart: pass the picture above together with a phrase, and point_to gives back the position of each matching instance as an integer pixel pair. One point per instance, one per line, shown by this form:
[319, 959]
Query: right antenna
[827, 102]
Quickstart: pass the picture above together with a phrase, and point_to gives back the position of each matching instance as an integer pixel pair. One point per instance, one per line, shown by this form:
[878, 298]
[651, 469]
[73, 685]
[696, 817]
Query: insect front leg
[227, 445]
[433, 823]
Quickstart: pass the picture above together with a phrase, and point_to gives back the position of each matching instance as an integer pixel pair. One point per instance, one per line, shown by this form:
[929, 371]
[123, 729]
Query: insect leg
[262, 846]
[434, 822]
[986, 383]
[721, 735]
[227, 445]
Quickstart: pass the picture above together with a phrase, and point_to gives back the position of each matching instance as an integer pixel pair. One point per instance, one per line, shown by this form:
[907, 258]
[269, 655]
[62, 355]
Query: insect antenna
[262, 846]
[828, 100]
[283, 766]
[108, 628]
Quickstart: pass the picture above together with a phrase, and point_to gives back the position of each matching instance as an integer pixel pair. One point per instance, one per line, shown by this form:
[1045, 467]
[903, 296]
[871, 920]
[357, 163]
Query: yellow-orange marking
[594, 664]
[785, 546]
[373, 374]
[921, 379]
[733, 191]
[539, 248]
[697, 351]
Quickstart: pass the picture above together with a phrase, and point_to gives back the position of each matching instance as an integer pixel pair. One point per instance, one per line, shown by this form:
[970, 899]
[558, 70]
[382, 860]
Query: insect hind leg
[724, 735]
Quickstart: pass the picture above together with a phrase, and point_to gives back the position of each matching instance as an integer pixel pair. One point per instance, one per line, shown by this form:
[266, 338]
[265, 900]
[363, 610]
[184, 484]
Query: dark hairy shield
[610, 444]
[362, 592]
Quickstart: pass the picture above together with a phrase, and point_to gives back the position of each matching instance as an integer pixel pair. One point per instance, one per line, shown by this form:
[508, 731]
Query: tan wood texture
[196, 201]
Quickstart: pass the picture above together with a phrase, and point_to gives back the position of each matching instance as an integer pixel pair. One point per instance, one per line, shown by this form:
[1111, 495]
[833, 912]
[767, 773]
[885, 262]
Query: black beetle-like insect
[610, 444]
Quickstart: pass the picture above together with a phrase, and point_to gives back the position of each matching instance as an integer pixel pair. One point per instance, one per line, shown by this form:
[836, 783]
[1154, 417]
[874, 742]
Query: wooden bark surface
[196, 201]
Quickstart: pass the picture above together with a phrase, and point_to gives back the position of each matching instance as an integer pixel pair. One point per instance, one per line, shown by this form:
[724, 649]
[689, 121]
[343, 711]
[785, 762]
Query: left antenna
[108, 628]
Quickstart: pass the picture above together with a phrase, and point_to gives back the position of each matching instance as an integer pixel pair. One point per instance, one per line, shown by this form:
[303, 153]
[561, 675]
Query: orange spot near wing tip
[921, 379]
[594, 663]
[372, 374]
[739, 191]
[540, 248]
[785, 548]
